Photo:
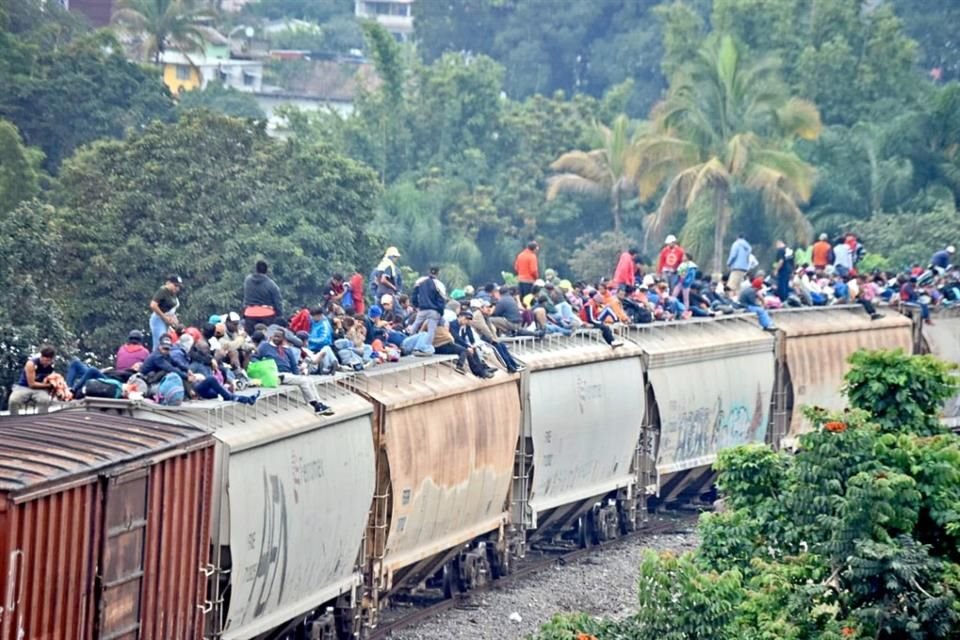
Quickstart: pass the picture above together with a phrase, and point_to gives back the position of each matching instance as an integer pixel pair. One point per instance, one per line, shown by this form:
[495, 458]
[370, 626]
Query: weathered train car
[708, 386]
[104, 522]
[293, 491]
[582, 417]
[445, 446]
[814, 345]
[942, 339]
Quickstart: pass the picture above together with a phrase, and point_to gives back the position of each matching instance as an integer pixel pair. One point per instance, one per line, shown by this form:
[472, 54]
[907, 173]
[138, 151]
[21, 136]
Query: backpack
[103, 388]
[170, 392]
[300, 321]
[415, 296]
[374, 281]
[347, 301]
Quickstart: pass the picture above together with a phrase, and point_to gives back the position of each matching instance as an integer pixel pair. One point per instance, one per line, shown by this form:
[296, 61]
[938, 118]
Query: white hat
[539, 283]
[233, 316]
[649, 280]
[476, 303]
[392, 252]
[670, 239]
[951, 249]
[386, 298]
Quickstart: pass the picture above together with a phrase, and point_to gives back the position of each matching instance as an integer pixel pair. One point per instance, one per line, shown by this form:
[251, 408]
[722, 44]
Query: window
[183, 72]
[248, 79]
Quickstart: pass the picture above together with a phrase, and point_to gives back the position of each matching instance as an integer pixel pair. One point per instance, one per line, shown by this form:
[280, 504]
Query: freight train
[126, 520]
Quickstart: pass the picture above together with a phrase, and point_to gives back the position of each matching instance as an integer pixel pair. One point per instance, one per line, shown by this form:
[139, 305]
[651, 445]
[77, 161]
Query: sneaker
[876, 316]
[616, 343]
[489, 373]
[322, 409]
[459, 369]
[771, 329]
[422, 354]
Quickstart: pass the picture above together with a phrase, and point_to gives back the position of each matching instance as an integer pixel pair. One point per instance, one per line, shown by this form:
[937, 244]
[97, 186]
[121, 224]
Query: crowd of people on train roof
[342, 332]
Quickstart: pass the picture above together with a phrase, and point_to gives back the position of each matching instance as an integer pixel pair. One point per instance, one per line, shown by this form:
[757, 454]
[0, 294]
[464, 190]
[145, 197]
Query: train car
[815, 344]
[709, 385]
[104, 522]
[942, 339]
[582, 417]
[445, 446]
[293, 492]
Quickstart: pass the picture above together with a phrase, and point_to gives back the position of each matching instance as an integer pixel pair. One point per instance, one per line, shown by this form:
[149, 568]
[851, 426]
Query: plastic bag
[265, 371]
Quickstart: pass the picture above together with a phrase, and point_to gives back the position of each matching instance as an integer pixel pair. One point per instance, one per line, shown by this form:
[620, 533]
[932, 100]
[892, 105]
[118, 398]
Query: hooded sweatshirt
[131, 354]
[260, 290]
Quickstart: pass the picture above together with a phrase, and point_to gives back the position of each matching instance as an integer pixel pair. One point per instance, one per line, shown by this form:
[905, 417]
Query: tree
[724, 129]
[166, 23]
[608, 172]
[19, 168]
[79, 92]
[222, 99]
[203, 197]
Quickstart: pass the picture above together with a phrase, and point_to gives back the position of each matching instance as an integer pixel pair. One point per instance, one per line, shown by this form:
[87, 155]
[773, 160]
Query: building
[98, 12]
[395, 15]
[183, 73]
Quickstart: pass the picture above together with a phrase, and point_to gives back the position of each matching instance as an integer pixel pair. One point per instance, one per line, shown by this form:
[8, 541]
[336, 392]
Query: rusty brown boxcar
[104, 527]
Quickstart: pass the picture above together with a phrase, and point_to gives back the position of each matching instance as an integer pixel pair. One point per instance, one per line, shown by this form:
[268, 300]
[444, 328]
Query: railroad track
[677, 524]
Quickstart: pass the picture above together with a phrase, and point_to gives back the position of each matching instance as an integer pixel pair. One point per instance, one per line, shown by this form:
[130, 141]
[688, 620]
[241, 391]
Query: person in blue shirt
[320, 342]
[288, 366]
[941, 259]
[738, 262]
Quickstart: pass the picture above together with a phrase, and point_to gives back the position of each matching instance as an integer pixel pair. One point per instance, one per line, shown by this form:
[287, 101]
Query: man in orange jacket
[526, 268]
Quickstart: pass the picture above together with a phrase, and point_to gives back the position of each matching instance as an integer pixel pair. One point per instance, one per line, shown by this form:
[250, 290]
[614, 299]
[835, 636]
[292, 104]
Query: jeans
[765, 320]
[78, 374]
[783, 285]
[418, 343]
[325, 360]
[453, 349]
[210, 388]
[157, 328]
[431, 318]
[506, 356]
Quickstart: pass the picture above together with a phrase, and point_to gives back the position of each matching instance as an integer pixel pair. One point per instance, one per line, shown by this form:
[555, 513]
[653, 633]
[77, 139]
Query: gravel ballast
[603, 583]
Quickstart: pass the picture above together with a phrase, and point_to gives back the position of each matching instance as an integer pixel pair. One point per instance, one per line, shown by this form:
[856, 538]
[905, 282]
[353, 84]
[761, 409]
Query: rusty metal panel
[47, 565]
[817, 345]
[300, 488]
[177, 546]
[585, 423]
[712, 382]
[449, 443]
[40, 451]
[943, 341]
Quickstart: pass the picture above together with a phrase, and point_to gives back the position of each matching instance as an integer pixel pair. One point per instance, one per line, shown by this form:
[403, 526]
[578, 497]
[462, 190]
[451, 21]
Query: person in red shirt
[356, 294]
[624, 273]
[526, 268]
[820, 253]
[670, 258]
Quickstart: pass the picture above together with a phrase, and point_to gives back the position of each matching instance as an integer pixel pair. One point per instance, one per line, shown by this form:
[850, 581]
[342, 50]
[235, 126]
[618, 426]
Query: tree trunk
[617, 220]
[719, 228]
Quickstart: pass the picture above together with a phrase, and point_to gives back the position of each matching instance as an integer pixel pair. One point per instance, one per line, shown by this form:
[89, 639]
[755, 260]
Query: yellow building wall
[175, 84]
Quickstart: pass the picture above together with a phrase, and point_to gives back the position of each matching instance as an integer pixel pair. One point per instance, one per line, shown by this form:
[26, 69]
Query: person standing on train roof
[739, 261]
[783, 269]
[33, 385]
[387, 273]
[820, 253]
[262, 302]
[671, 256]
[625, 272]
[526, 268]
[842, 258]
[163, 307]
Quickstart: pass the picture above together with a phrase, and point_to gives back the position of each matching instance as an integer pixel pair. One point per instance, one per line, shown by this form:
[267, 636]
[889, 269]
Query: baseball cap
[393, 252]
[476, 303]
[165, 342]
[386, 298]
[135, 336]
[376, 311]
[951, 249]
[538, 283]
[233, 316]
[670, 238]
[215, 319]
[175, 279]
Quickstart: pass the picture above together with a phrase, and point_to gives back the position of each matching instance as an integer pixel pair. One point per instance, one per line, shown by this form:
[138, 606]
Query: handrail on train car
[219, 414]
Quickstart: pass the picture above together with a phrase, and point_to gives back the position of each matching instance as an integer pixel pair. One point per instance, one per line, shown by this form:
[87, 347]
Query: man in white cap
[671, 256]
[941, 260]
[388, 273]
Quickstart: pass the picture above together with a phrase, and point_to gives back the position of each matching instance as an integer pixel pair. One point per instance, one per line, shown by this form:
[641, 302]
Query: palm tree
[608, 172]
[166, 23]
[724, 128]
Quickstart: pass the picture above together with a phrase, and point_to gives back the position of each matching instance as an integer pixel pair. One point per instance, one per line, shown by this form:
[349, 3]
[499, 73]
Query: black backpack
[103, 388]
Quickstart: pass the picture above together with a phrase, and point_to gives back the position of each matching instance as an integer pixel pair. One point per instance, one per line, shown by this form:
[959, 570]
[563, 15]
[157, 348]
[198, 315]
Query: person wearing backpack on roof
[262, 302]
[386, 277]
[429, 302]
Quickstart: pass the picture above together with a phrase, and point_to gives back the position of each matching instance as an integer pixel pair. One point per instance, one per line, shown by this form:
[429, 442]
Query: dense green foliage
[203, 198]
[854, 536]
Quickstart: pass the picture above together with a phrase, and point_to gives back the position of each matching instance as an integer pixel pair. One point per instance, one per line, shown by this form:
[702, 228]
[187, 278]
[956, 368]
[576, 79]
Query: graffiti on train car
[270, 548]
[696, 435]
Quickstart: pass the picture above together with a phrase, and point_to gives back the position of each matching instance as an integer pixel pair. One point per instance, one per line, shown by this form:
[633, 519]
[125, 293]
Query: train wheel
[451, 579]
[499, 561]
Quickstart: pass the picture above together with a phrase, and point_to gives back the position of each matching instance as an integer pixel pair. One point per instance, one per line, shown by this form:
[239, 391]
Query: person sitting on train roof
[132, 353]
[204, 379]
[444, 344]
[749, 299]
[463, 335]
[33, 386]
[288, 366]
[488, 333]
[596, 315]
